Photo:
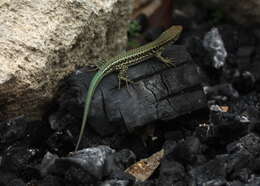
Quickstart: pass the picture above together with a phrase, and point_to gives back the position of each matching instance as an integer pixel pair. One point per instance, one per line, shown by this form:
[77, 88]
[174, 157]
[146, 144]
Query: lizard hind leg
[122, 76]
[97, 66]
[94, 68]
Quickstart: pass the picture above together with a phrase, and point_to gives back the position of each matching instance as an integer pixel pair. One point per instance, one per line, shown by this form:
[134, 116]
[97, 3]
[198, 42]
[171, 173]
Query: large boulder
[43, 41]
[241, 11]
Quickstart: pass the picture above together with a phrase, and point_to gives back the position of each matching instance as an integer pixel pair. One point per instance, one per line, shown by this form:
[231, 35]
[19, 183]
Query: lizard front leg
[122, 75]
[165, 60]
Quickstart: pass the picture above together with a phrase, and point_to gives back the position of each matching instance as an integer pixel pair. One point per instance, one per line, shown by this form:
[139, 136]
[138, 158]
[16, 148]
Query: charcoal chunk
[172, 173]
[50, 180]
[119, 161]
[16, 182]
[249, 143]
[159, 93]
[12, 130]
[83, 167]
[6, 177]
[114, 183]
[211, 172]
[184, 152]
[20, 159]
[47, 161]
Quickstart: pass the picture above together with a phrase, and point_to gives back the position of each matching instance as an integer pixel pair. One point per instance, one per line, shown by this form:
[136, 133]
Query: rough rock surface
[43, 41]
[242, 11]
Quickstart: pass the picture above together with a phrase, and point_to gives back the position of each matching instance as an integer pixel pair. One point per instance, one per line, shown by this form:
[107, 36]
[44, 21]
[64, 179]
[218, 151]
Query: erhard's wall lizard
[121, 63]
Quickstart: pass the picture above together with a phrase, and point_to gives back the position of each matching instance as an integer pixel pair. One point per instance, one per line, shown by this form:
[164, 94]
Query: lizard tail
[91, 90]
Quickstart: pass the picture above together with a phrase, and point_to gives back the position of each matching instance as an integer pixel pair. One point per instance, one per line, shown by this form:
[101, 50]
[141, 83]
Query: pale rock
[42, 41]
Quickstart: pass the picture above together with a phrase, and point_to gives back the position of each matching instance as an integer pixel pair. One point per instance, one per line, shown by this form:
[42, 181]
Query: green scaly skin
[121, 63]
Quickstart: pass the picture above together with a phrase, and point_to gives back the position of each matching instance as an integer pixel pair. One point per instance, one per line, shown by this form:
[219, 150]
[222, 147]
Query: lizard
[121, 62]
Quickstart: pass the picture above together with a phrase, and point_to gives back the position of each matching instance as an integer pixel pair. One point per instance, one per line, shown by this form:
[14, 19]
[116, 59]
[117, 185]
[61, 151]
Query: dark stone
[194, 44]
[172, 173]
[47, 162]
[221, 92]
[83, 167]
[185, 152]
[230, 36]
[242, 174]
[237, 163]
[21, 132]
[77, 176]
[173, 135]
[21, 160]
[51, 181]
[60, 142]
[255, 180]
[12, 130]
[249, 143]
[211, 172]
[16, 182]
[244, 55]
[245, 51]
[256, 166]
[119, 161]
[116, 163]
[256, 127]
[169, 146]
[247, 107]
[37, 133]
[215, 182]
[235, 36]
[189, 15]
[236, 183]
[115, 183]
[244, 82]
[225, 130]
[6, 177]
[147, 183]
[254, 67]
[123, 176]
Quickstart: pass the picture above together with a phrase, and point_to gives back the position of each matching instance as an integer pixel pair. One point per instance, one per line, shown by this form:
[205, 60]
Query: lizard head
[172, 33]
